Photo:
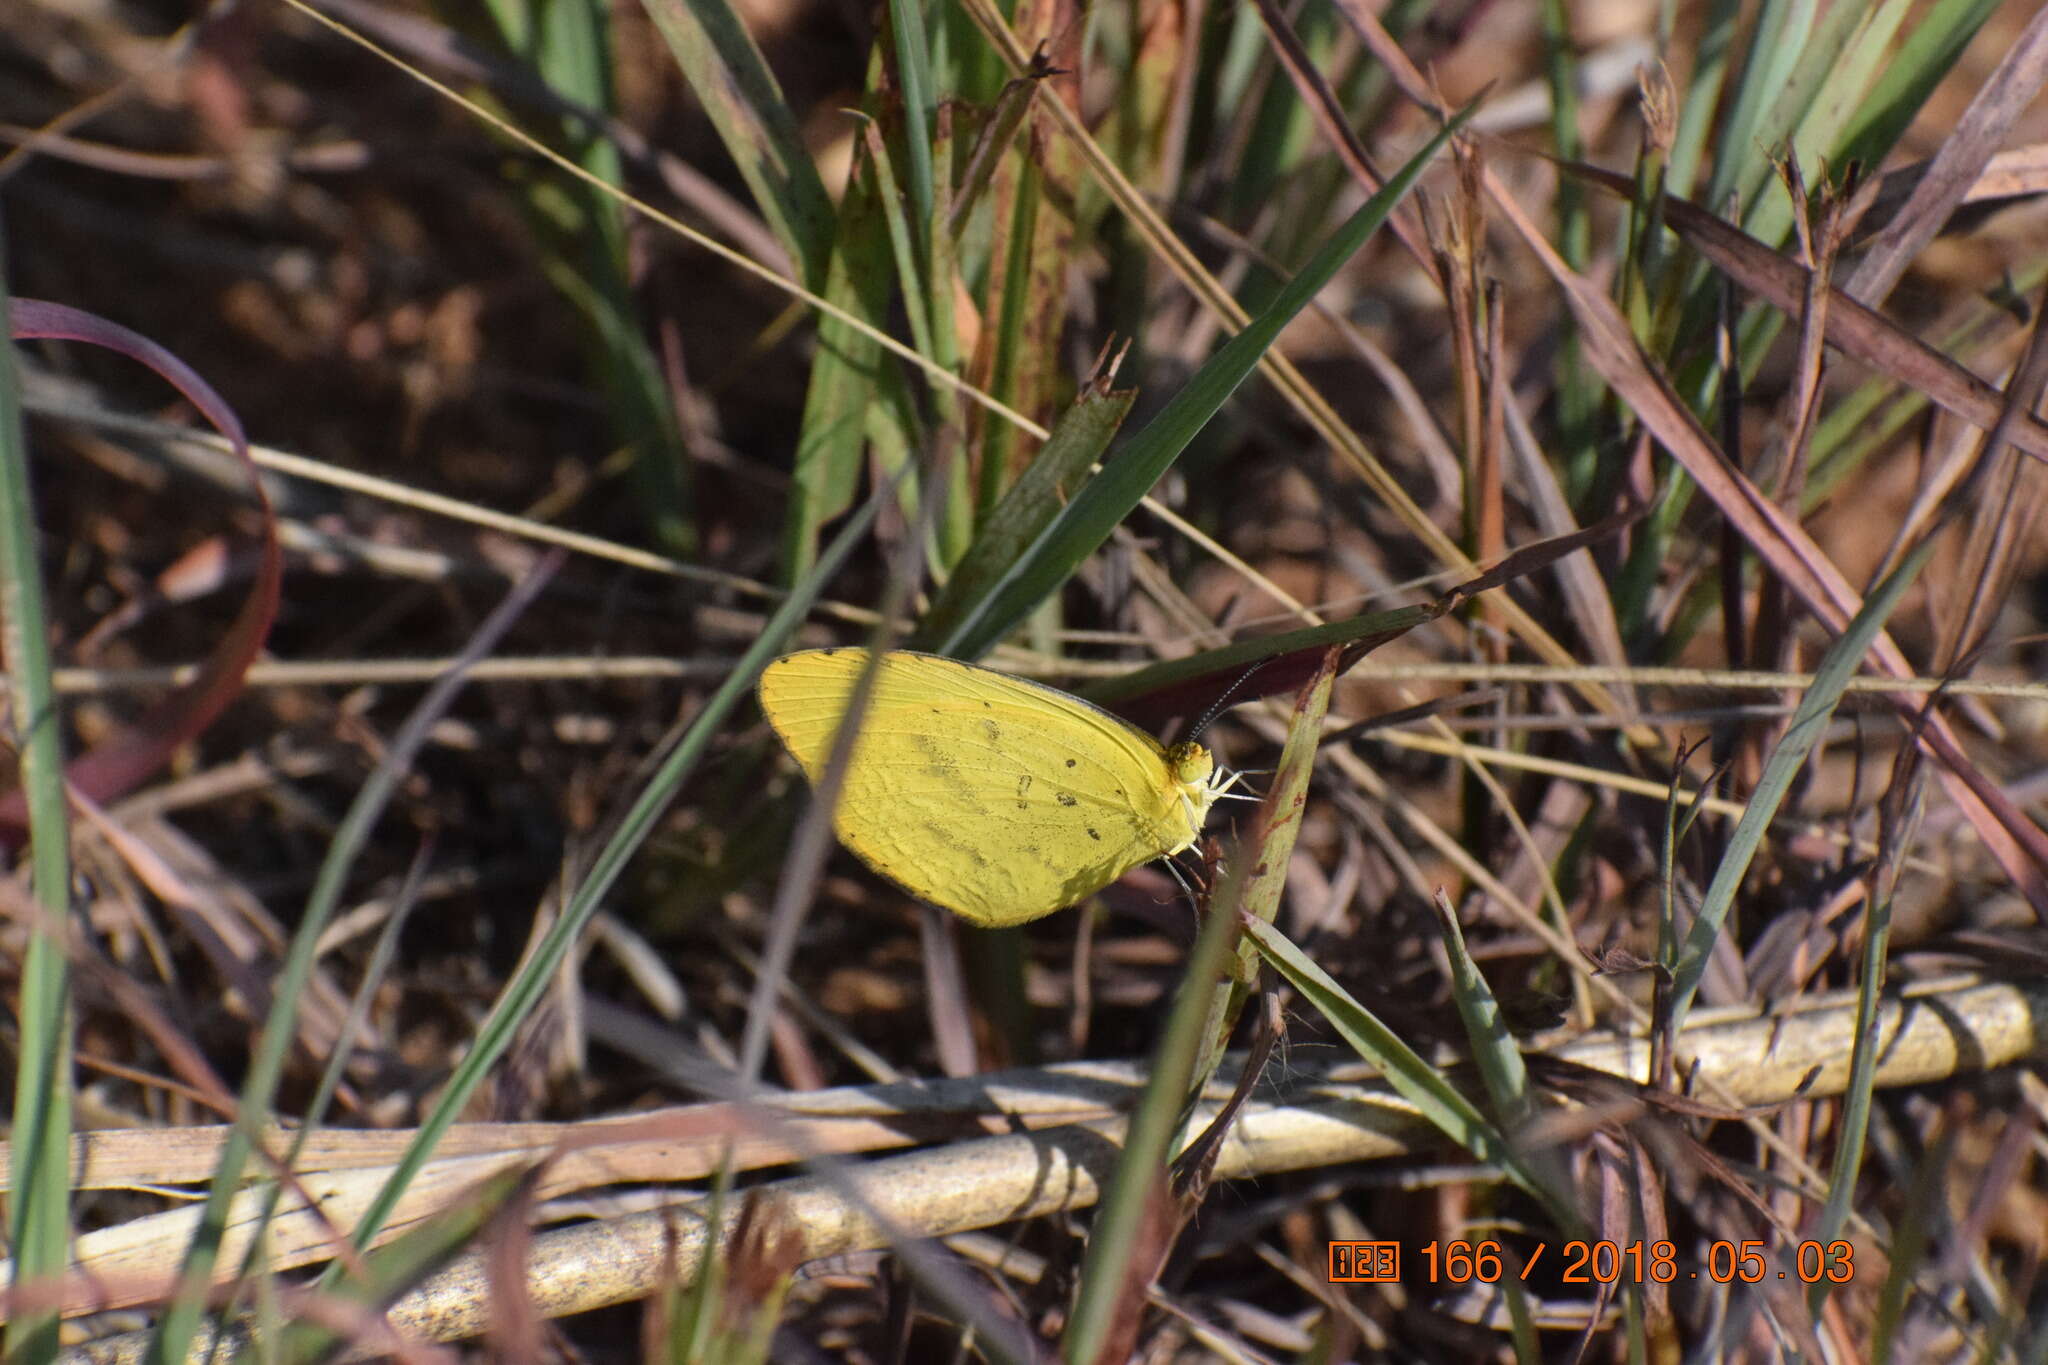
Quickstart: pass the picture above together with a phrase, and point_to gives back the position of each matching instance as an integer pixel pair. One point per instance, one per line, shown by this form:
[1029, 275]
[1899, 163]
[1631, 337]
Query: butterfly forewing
[999, 799]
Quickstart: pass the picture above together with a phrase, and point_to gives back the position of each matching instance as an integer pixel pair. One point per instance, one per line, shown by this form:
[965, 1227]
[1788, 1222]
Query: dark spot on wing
[1023, 791]
[1093, 835]
[943, 762]
[1067, 799]
[1070, 763]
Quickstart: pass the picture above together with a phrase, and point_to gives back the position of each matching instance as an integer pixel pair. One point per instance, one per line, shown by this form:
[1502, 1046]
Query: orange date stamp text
[1751, 1262]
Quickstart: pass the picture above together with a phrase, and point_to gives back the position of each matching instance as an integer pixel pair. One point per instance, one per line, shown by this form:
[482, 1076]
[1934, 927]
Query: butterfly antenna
[1216, 707]
[1209, 717]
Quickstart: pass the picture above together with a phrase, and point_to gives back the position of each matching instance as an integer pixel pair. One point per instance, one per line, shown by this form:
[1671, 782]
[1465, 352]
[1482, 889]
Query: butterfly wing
[999, 799]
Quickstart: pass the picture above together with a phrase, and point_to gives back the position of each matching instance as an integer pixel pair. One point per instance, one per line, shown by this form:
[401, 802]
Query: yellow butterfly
[999, 799]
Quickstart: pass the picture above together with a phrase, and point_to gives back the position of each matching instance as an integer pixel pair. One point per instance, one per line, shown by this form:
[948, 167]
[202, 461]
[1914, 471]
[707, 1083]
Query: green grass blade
[593, 278]
[739, 93]
[914, 74]
[1837, 666]
[1820, 98]
[1857, 1095]
[1924, 1192]
[1266, 852]
[1032, 253]
[1029, 506]
[582, 236]
[1439, 1102]
[39, 1206]
[1141, 1169]
[1743, 144]
[927, 303]
[175, 1333]
[1578, 389]
[854, 394]
[904, 247]
[1018, 358]
[1086, 522]
[391, 1270]
[1933, 44]
[497, 1031]
[1281, 129]
[1709, 67]
[1494, 1049]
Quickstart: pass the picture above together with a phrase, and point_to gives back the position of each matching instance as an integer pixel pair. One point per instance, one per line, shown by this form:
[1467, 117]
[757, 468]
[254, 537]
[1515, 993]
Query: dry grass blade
[1958, 166]
[2019, 845]
[669, 285]
[1319, 1119]
[1859, 331]
[117, 765]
